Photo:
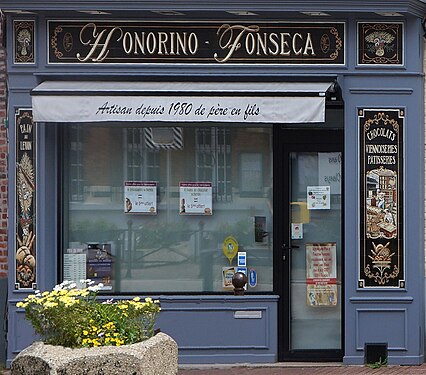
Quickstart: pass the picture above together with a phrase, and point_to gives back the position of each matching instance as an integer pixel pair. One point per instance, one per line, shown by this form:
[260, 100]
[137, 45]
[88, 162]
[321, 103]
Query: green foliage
[74, 317]
[161, 234]
[92, 230]
[380, 363]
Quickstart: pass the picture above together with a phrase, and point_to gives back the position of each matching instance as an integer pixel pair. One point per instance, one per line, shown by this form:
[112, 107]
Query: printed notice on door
[321, 274]
[195, 198]
[140, 197]
[318, 197]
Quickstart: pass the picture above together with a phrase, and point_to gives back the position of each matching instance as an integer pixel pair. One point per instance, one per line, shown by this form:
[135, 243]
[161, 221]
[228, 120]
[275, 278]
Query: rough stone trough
[155, 356]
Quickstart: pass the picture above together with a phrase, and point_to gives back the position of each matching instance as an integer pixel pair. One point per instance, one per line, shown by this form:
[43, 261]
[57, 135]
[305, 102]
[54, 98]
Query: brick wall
[3, 156]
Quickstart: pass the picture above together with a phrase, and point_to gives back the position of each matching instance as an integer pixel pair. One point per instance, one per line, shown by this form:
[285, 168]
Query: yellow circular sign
[230, 248]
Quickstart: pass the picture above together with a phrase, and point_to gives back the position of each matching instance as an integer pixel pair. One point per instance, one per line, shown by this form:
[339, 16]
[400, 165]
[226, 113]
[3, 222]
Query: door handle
[285, 247]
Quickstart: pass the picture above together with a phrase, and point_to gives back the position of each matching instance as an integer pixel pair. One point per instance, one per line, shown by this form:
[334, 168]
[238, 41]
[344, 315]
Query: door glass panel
[315, 274]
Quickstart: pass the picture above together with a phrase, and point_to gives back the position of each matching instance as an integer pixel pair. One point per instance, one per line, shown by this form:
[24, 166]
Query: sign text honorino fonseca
[138, 42]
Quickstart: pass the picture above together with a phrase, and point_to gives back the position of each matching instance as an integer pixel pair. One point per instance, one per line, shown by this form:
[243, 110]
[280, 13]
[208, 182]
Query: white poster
[296, 231]
[329, 170]
[321, 274]
[75, 266]
[140, 197]
[195, 198]
[318, 197]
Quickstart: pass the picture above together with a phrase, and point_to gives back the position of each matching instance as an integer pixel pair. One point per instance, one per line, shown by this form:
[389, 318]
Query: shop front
[160, 152]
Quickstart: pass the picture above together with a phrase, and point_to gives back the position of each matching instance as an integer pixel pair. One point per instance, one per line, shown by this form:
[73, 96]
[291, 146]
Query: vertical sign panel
[25, 193]
[381, 260]
[24, 42]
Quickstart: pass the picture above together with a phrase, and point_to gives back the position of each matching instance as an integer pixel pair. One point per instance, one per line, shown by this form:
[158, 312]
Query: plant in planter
[75, 318]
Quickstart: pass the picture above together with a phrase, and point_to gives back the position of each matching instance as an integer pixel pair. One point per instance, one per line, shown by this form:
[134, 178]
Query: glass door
[311, 251]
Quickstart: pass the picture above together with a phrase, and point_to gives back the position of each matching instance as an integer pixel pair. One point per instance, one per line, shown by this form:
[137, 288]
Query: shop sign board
[381, 258]
[134, 42]
[321, 274]
[182, 108]
[25, 198]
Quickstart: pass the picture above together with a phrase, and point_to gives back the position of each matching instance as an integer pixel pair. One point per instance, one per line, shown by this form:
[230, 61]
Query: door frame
[287, 140]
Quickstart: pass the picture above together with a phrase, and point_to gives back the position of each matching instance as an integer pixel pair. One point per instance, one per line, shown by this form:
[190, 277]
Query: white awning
[260, 102]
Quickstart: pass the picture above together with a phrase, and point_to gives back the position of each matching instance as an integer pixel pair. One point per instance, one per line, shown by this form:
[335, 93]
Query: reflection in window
[76, 164]
[213, 160]
[142, 160]
[167, 251]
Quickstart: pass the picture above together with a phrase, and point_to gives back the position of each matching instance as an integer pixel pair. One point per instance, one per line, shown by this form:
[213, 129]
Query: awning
[105, 101]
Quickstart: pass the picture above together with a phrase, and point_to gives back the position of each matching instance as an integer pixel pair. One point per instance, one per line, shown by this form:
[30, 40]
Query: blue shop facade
[160, 150]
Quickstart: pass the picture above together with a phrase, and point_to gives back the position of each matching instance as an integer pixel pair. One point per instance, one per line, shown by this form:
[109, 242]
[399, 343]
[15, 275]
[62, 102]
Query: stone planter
[155, 356]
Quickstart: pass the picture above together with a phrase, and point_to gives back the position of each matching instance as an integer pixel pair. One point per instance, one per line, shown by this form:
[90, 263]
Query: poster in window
[381, 259]
[321, 274]
[140, 197]
[195, 198]
[75, 261]
[227, 274]
[99, 265]
[318, 197]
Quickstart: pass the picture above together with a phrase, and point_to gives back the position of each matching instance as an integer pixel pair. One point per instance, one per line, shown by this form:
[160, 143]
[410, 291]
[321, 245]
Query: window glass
[124, 224]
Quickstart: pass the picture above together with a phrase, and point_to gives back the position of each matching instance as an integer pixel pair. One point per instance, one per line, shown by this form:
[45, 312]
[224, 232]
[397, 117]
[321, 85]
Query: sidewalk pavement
[299, 369]
[294, 369]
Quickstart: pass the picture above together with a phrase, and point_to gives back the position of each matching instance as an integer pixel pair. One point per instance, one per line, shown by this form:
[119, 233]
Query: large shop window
[131, 206]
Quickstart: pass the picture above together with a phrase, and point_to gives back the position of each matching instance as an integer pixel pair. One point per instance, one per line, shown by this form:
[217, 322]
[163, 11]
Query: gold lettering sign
[85, 42]
[381, 253]
[25, 193]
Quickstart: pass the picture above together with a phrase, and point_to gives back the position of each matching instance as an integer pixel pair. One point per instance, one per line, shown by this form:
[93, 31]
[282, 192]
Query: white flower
[86, 281]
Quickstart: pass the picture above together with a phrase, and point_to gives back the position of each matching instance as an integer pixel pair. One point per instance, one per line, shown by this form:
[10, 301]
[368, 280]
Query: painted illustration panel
[380, 43]
[25, 192]
[24, 35]
[381, 253]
